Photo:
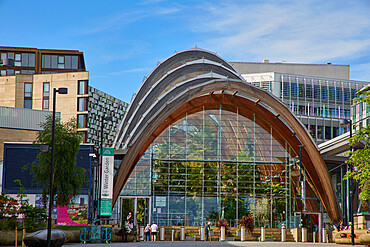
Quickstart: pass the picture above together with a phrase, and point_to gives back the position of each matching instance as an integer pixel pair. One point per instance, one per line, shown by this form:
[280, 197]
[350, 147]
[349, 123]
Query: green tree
[361, 158]
[68, 178]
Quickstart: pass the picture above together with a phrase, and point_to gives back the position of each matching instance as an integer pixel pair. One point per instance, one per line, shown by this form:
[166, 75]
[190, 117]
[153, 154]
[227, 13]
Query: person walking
[154, 228]
[207, 230]
[147, 232]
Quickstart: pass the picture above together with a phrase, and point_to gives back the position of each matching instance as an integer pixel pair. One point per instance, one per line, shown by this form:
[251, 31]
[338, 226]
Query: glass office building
[319, 103]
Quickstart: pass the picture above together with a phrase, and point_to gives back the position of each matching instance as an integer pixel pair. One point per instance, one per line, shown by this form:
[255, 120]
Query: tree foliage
[68, 178]
[361, 158]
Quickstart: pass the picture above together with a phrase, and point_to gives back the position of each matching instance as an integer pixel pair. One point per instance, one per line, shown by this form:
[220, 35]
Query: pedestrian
[147, 232]
[130, 220]
[207, 230]
[154, 228]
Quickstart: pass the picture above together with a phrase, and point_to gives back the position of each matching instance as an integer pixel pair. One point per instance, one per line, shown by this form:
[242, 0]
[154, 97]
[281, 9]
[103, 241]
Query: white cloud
[133, 70]
[113, 23]
[295, 31]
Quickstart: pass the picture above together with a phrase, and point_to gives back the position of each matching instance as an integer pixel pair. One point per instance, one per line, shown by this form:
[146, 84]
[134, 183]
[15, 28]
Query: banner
[107, 181]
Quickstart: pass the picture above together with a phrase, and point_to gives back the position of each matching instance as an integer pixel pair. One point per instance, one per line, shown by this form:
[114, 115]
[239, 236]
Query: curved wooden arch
[174, 109]
[161, 70]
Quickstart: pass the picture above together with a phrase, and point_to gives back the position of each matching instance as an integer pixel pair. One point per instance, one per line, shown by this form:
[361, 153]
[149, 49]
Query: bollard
[16, 235]
[162, 233]
[173, 235]
[263, 236]
[314, 237]
[24, 235]
[304, 234]
[222, 234]
[323, 235]
[182, 233]
[141, 233]
[283, 234]
[242, 233]
[202, 233]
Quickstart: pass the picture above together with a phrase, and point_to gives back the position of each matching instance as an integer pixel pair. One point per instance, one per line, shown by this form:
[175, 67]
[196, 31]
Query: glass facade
[317, 102]
[216, 163]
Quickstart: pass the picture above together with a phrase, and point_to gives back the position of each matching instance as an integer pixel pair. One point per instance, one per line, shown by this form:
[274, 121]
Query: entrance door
[138, 206]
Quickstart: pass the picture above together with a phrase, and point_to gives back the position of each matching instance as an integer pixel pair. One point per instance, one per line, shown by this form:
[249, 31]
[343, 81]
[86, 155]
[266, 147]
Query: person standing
[147, 232]
[207, 230]
[154, 228]
[130, 220]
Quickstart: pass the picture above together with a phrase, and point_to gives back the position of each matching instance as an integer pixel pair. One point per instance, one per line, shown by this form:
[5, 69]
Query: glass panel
[68, 62]
[10, 55]
[54, 61]
[46, 60]
[74, 62]
[3, 55]
[28, 104]
[61, 59]
[31, 60]
[81, 104]
[3, 72]
[17, 63]
[10, 72]
[60, 66]
[45, 104]
[81, 121]
[17, 57]
[25, 59]
[82, 87]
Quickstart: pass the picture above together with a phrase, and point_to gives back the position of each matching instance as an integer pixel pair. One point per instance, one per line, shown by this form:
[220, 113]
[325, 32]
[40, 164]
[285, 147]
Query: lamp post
[108, 118]
[346, 122]
[303, 187]
[61, 90]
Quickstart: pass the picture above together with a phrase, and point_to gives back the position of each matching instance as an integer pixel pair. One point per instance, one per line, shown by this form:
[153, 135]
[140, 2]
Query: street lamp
[346, 122]
[108, 118]
[61, 90]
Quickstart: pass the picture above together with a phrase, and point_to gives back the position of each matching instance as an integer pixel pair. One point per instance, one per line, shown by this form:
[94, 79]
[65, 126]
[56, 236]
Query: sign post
[107, 181]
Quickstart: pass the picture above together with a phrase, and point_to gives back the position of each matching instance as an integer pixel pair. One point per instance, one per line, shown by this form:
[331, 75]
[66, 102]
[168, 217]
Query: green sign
[106, 208]
[108, 151]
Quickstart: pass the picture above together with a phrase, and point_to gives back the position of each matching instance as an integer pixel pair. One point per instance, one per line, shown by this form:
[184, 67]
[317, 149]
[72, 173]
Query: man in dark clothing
[207, 230]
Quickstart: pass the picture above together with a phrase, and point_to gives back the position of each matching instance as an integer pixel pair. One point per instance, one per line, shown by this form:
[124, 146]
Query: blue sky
[123, 40]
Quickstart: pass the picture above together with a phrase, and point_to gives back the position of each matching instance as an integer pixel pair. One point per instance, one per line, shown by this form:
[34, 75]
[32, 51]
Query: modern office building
[320, 102]
[28, 76]
[29, 61]
[202, 143]
[361, 111]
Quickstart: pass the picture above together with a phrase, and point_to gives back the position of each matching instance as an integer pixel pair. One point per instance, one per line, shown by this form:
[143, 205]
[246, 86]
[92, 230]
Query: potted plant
[224, 223]
[189, 236]
[238, 232]
[248, 223]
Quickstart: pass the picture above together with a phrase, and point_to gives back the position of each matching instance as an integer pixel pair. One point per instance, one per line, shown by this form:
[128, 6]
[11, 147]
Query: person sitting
[123, 233]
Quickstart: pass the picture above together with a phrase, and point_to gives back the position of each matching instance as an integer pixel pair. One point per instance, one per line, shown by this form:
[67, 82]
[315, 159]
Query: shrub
[248, 223]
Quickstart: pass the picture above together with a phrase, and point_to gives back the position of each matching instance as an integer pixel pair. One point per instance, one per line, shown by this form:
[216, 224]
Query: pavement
[210, 244]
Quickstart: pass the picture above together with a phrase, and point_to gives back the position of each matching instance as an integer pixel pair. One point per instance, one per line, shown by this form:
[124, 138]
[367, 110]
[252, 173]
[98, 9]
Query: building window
[331, 93]
[324, 92]
[45, 96]
[83, 135]
[320, 132]
[339, 94]
[17, 60]
[82, 87]
[316, 91]
[81, 121]
[82, 104]
[28, 95]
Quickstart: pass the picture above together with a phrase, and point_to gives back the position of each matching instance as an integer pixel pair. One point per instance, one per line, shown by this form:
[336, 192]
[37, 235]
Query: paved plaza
[205, 244]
